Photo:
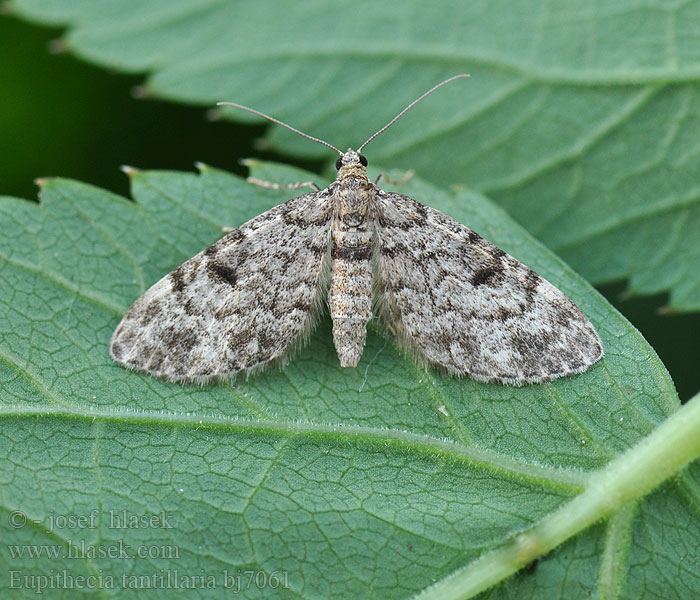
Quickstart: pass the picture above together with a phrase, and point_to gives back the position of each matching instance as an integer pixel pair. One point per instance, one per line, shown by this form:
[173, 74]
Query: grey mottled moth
[451, 299]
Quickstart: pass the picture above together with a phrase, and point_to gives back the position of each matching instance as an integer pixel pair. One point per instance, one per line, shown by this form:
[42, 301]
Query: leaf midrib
[554, 76]
[562, 479]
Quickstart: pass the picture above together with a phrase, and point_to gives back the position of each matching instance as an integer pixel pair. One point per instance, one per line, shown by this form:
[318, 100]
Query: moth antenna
[409, 107]
[269, 118]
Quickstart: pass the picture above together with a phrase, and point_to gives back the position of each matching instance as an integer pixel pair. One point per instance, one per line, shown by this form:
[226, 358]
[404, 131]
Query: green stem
[629, 477]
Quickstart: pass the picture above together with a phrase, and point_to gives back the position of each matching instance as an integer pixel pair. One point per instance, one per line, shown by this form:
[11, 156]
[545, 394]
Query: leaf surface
[370, 482]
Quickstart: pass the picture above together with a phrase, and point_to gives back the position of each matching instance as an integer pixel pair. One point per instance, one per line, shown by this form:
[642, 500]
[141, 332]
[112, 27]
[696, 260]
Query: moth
[451, 299]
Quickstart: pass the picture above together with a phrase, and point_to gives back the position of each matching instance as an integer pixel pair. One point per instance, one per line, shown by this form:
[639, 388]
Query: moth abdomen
[350, 294]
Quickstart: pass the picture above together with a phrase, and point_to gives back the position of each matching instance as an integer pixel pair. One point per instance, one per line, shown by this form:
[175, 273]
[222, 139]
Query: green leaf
[377, 481]
[581, 120]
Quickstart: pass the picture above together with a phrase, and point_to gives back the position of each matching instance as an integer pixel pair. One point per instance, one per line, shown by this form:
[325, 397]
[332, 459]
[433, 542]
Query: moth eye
[363, 161]
[339, 163]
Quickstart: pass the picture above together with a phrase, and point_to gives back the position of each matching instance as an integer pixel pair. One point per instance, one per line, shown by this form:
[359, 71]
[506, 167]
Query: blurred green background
[62, 117]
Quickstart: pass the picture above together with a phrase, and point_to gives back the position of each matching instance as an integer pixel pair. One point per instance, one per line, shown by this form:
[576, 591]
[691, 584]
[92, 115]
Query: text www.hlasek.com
[84, 551]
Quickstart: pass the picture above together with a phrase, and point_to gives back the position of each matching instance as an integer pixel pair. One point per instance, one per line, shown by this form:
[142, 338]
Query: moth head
[351, 157]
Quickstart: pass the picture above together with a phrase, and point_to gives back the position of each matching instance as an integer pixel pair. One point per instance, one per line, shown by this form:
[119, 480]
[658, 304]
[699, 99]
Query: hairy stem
[628, 478]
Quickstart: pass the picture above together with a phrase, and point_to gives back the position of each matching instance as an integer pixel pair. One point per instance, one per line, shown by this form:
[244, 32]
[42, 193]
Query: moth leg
[283, 186]
[407, 175]
[276, 186]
